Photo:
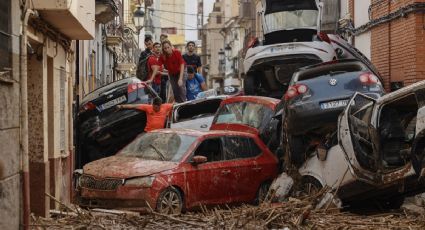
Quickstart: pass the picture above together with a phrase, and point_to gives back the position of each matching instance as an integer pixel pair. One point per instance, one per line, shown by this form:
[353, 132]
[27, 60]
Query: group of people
[160, 59]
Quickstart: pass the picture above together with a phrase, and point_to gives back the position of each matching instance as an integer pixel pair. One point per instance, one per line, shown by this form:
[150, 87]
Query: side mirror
[196, 160]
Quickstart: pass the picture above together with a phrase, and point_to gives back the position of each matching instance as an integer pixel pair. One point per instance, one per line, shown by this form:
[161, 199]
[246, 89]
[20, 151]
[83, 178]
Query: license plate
[112, 103]
[334, 104]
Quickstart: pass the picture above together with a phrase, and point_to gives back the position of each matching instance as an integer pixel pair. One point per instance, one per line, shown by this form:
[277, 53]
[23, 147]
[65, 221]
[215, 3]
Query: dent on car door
[358, 137]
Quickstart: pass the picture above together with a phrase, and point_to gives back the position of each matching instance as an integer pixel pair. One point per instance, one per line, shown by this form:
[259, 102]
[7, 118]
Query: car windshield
[248, 113]
[159, 146]
[297, 19]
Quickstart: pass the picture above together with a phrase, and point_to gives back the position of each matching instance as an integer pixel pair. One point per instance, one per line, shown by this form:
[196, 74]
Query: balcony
[73, 18]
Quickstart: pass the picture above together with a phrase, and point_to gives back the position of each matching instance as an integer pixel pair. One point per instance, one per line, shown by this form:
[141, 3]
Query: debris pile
[291, 214]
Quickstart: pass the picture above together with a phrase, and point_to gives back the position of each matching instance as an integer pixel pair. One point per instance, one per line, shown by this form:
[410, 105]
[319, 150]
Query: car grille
[99, 184]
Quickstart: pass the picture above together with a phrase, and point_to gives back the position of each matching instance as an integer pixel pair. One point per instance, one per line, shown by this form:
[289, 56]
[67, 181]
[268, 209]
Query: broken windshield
[247, 113]
[287, 20]
[159, 146]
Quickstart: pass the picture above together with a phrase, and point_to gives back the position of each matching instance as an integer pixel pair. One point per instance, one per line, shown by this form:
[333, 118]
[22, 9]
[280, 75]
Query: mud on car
[378, 152]
[173, 170]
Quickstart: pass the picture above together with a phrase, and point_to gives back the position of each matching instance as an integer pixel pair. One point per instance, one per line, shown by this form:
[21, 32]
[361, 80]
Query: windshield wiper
[158, 152]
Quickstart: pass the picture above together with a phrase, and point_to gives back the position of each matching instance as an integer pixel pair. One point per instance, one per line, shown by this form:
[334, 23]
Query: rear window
[335, 70]
[246, 113]
[196, 110]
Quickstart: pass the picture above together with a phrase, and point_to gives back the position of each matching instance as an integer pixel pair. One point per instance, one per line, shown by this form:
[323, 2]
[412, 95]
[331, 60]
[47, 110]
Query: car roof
[197, 133]
[268, 101]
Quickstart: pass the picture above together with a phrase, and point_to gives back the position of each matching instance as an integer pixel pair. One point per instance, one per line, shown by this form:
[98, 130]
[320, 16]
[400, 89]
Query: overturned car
[378, 152]
[292, 39]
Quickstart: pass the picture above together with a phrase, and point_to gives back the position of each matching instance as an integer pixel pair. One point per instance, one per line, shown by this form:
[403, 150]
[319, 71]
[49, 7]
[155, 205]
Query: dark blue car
[316, 96]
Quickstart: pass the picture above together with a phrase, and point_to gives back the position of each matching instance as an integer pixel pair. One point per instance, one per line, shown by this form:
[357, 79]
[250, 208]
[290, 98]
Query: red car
[177, 169]
[252, 114]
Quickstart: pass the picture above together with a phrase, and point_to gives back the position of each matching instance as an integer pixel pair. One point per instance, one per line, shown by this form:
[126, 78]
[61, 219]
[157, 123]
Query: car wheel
[170, 202]
[309, 186]
[249, 85]
[262, 193]
[393, 203]
[296, 149]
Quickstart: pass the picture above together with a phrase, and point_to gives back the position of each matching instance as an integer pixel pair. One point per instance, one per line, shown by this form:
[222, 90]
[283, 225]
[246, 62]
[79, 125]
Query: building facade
[36, 88]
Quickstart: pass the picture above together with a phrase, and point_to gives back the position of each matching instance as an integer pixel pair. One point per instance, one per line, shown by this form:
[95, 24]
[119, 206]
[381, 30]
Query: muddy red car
[174, 170]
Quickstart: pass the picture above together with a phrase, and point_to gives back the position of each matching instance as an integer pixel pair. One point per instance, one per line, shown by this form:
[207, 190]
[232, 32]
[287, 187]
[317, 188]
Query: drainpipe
[24, 119]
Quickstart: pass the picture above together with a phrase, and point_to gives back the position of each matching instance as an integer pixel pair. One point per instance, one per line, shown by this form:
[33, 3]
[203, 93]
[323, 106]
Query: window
[5, 36]
[240, 147]
[211, 149]
[218, 19]
[62, 108]
[169, 30]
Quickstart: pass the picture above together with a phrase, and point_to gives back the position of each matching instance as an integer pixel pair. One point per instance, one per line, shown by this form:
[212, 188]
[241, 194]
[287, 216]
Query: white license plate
[334, 104]
[112, 103]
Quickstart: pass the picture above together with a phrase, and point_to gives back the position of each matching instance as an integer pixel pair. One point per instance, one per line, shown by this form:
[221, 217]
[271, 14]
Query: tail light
[87, 107]
[324, 37]
[134, 86]
[253, 42]
[295, 90]
[368, 79]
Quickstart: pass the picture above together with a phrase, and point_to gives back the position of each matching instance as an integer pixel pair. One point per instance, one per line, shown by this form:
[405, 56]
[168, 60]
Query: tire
[392, 203]
[170, 201]
[249, 85]
[262, 193]
[309, 186]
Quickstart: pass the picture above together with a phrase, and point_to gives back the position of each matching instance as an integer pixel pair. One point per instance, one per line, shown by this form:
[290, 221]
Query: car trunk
[290, 21]
[271, 76]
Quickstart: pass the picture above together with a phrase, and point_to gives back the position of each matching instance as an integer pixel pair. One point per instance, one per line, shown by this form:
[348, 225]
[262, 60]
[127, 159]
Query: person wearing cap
[195, 83]
[191, 58]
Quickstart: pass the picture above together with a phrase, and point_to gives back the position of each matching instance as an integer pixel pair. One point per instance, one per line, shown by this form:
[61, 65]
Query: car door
[357, 138]
[244, 166]
[208, 182]
[370, 130]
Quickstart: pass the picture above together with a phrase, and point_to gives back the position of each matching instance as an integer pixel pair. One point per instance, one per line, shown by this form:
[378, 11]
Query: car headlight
[146, 181]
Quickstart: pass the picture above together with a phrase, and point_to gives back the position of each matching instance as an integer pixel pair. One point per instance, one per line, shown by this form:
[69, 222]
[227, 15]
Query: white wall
[361, 17]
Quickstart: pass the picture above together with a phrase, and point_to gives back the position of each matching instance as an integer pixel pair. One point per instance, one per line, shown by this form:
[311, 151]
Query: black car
[102, 130]
[316, 96]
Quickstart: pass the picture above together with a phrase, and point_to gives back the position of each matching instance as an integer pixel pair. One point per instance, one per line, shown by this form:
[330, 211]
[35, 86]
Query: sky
[191, 8]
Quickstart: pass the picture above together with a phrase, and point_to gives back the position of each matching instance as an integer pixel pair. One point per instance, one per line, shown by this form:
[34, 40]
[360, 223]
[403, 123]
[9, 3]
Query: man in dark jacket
[142, 70]
[191, 58]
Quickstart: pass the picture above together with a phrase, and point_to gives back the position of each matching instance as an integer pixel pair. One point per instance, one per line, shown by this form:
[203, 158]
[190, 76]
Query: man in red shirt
[174, 63]
[156, 114]
[155, 68]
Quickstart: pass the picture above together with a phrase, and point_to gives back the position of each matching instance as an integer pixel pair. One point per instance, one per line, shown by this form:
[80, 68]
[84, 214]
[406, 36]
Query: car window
[211, 149]
[248, 113]
[159, 146]
[240, 147]
[200, 109]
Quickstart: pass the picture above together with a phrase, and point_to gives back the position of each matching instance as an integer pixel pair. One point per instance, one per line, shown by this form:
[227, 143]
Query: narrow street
[212, 114]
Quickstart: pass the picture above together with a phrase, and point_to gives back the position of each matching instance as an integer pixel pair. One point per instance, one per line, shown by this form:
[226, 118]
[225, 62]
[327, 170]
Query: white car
[197, 114]
[378, 151]
[292, 39]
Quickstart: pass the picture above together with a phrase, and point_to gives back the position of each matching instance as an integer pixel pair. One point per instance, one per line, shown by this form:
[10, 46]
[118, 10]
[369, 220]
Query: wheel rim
[170, 203]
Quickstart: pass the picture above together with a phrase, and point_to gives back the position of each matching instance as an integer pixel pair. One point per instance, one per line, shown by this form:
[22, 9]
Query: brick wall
[398, 46]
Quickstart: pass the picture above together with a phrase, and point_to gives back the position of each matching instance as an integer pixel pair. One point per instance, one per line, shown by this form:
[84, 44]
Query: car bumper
[124, 197]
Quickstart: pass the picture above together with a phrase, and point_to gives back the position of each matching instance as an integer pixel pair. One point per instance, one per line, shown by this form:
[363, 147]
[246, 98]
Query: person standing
[156, 114]
[191, 58]
[174, 63]
[195, 84]
[142, 70]
[155, 68]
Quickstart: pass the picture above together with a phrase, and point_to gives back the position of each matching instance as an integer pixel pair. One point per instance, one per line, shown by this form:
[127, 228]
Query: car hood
[126, 167]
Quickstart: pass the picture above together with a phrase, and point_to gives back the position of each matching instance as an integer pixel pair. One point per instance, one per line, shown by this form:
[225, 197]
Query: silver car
[378, 151]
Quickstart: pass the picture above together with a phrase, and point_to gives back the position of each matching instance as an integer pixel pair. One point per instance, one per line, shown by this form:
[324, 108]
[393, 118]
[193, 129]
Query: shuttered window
[5, 36]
